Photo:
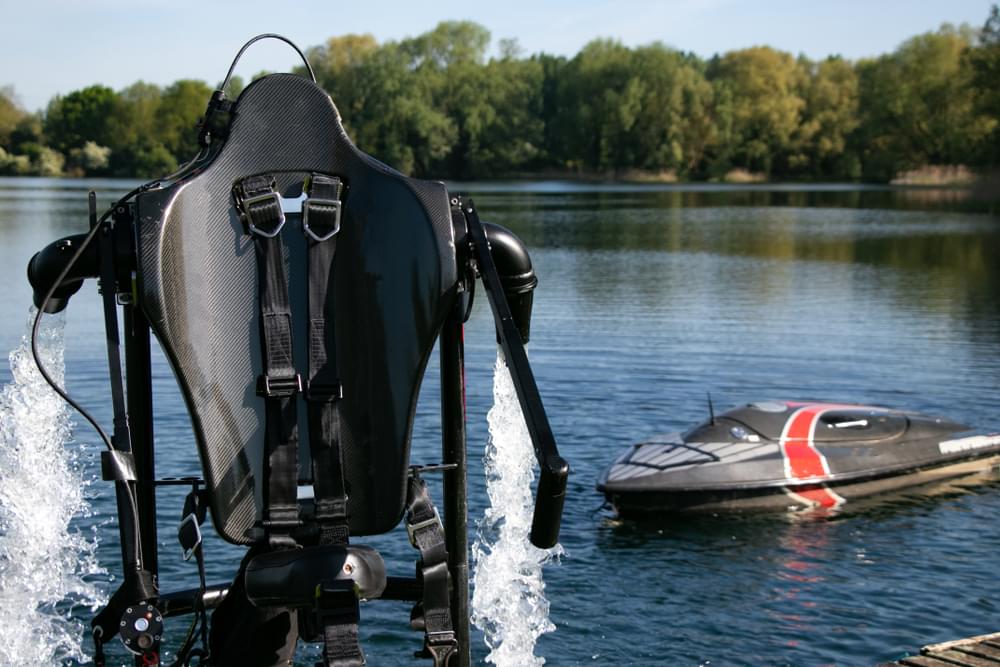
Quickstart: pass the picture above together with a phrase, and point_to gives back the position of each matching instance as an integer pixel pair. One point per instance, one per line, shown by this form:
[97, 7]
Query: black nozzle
[48, 263]
[517, 277]
[549, 502]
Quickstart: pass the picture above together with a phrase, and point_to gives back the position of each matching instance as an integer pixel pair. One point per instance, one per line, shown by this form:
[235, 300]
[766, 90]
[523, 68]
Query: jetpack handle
[551, 492]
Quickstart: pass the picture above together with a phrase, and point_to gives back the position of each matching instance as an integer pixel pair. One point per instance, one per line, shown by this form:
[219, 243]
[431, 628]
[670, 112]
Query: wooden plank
[925, 661]
[961, 658]
[944, 646]
[982, 651]
[995, 643]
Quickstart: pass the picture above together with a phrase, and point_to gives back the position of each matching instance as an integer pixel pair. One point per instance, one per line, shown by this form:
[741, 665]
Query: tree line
[436, 106]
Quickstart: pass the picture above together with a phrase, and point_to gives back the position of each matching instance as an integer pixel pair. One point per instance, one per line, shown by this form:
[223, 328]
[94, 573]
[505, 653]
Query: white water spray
[47, 568]
[508, 600]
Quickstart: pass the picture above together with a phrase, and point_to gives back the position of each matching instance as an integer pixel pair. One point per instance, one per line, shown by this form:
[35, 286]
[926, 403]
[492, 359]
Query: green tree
[182, 104]
[917, 105]
[828, 119]
[338, 64]
[985, 63]
[449, 43]
[29, 130]
[82, 116]
[600, 102]
[138, 148]
[397, 120]
[760, 89]
[11, 114]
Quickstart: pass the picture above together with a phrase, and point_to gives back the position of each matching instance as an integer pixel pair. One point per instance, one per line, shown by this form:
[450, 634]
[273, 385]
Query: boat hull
[779, 499]
[791, 456]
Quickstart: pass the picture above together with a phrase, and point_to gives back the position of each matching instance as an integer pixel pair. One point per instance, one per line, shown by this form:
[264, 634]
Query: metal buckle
[411, 529]
[440, 646]
[307, 204]
[258, 199]
[182, 531]
[278, 386]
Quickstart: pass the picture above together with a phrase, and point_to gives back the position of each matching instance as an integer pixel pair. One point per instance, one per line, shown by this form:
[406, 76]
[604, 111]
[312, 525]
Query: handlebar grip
[549, 502]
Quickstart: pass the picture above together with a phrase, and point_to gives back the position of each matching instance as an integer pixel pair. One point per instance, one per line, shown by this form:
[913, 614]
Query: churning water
[508, 601]
[47, 567]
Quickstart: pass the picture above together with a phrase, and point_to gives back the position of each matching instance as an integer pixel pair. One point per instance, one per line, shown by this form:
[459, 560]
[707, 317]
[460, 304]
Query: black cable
[267, 35]
[133, 504]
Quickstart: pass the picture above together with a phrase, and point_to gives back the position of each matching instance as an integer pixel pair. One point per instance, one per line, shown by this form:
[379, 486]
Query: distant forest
[436, 106]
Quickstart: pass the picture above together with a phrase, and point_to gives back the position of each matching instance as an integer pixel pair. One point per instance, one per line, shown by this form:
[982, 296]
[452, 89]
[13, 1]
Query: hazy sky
[56, 46]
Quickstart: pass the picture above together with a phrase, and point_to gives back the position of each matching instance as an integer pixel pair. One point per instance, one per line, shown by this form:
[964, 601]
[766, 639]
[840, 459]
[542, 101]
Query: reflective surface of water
[648, 298]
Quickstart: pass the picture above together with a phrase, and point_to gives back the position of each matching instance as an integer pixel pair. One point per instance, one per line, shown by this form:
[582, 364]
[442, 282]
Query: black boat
[297, 287]
[781, 455]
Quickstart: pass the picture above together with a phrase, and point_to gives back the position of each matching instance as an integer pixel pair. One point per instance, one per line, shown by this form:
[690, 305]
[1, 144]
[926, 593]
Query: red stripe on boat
[802, 460]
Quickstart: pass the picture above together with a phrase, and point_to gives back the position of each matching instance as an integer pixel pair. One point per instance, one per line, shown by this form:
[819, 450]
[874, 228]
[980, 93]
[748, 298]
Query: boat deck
[981, 651]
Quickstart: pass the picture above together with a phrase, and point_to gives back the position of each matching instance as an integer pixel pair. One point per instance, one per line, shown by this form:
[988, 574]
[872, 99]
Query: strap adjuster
[439, 646]
[279, 386]
[413, 528]
[266, 199]
[324, 393]
[325, 218]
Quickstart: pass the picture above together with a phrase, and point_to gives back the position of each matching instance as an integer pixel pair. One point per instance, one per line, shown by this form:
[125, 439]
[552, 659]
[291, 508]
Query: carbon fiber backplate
[394, 282]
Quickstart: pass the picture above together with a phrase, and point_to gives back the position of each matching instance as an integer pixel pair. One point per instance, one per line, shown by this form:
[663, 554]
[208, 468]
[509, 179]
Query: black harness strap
[261, 212]
[338, 610]
[423, 524]
[321, 222]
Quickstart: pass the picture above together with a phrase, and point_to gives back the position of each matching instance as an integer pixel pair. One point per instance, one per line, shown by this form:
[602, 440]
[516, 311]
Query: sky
[50, 47]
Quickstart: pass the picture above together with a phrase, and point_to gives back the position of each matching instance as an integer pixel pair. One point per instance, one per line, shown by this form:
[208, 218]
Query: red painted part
[802, 460]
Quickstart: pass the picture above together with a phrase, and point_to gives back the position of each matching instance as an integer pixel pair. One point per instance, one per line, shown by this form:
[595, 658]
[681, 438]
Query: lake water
[648, 298]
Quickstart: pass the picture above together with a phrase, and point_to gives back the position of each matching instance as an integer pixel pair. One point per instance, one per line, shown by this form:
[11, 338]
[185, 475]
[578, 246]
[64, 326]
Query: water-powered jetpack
[792, 455]
[297, 287]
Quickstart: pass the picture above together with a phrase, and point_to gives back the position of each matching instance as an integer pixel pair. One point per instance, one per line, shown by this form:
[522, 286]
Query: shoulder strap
[433, 613]
[261, 212]
[321, 222]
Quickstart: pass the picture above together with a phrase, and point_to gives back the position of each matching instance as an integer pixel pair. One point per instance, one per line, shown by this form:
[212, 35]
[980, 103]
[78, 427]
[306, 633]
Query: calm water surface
[648, 298]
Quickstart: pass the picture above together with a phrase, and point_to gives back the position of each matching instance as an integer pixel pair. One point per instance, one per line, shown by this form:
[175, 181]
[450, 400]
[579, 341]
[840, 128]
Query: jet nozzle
[517, 277]
[48, 263]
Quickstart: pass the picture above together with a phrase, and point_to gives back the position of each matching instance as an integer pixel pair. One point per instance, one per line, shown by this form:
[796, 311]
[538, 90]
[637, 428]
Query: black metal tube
[138, 374]
[46, 265]
[453, 446]
[551, 492]
[191, 600]
[121, 439]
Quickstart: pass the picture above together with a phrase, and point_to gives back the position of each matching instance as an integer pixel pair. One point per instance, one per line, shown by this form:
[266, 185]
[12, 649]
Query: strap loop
[320, 218]
[259, 206]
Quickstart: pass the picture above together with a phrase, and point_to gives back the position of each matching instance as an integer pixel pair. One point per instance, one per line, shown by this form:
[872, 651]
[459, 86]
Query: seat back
[394, 274]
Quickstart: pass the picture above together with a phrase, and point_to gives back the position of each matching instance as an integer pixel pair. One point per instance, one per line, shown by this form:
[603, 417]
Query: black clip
[325, 214]
[259, 206]
[279, 386]
[266, 225]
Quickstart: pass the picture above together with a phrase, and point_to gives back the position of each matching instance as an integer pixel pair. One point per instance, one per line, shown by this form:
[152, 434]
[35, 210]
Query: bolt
[348, 568]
